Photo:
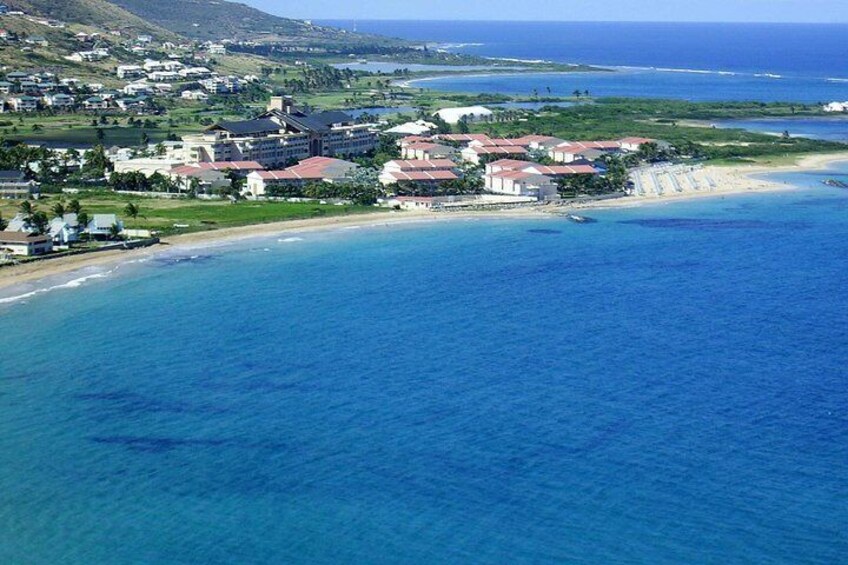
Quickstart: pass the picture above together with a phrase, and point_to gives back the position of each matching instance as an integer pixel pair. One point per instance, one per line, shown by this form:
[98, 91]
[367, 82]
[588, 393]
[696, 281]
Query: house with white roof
[419, 127]
[23, 103]
[95, 103]
[195, 73]
[130, 72]
[59, 101]
[101, 225]
[469, 113]
[196, 95]
[137, 89]
[519, 183]
[64, 230]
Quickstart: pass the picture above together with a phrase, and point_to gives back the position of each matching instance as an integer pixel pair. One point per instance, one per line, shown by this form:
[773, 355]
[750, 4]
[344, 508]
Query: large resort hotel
[281, 135]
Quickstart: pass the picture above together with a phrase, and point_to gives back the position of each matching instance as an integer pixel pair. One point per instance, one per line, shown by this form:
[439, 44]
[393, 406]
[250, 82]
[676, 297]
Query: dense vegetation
[671, 121]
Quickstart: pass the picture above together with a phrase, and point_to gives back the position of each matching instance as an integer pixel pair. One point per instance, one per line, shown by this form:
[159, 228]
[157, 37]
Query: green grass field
[199, 215]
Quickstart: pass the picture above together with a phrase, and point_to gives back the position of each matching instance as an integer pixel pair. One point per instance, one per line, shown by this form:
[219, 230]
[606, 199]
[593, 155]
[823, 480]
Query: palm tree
[577, 93]
[132, 210]
[74, 207]
[115, 231]
[59, 209]
[26, 208]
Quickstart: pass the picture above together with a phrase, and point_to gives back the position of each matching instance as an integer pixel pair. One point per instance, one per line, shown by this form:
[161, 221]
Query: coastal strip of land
[735, 179]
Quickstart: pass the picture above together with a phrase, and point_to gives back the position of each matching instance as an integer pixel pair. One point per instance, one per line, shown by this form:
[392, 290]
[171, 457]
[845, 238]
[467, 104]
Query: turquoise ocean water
[666, 385]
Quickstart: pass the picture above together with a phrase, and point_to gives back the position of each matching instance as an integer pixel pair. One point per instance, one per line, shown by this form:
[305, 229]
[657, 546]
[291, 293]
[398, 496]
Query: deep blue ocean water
[830, 129]
[692, 61]
[666, 385]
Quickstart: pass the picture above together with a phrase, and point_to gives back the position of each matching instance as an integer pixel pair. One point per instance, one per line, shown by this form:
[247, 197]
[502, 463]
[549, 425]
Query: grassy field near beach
[197, 215]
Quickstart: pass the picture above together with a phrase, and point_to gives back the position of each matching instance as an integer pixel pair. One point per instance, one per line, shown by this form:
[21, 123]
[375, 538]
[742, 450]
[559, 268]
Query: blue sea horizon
[665, 385]
[801, 63]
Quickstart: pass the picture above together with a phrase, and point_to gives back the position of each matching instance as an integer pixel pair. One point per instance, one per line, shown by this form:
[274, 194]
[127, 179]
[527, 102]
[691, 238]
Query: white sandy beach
[729, 180]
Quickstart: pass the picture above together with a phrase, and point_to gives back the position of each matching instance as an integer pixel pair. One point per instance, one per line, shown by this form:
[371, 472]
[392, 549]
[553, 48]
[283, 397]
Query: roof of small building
[636, 140]
[497, 150]
[314, 168]
[421, 164]
[198, 168]
[574, 147]
[12, 175]
[509, 164]
[463, 137]
[22, 237]
[423, 176]
[563, 170]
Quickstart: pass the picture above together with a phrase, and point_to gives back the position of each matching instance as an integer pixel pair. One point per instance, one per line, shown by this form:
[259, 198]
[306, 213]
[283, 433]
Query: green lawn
[161, 215]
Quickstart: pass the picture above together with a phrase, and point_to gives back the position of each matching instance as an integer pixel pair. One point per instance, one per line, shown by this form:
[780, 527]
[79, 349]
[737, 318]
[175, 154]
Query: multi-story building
[282, 134]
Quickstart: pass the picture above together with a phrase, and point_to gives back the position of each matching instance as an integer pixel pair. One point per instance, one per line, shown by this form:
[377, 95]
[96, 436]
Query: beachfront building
[24, 243]
[634, 144]
[426, 172]
[64, 230]
[479, 154]
[314, 169]
[571, 151]
[425, 151]
[209, 177]
[519, 183]
[100, 225]
[468, 114]
[526, 178]
[415, 202]
[282, 134]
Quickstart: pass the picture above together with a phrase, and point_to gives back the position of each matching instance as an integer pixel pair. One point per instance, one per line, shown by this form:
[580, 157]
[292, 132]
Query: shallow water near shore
[665, 385]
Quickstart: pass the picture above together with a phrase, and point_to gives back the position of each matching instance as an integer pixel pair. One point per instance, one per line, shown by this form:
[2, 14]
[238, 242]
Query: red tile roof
[636, 140]
[510, 164]
[560, 171]
[463, 137]
[496, 150]
[423, 176]
[513, 175]
[575, 147]
[422, 164]
[314, 168]
[414, 139]
[188, 170]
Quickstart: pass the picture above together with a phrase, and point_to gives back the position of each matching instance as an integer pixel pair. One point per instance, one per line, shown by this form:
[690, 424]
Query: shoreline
[739, 179]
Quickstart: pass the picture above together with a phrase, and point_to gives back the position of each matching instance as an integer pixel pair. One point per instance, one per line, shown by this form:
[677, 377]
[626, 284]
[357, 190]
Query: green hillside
[94, 13]
[219, 19]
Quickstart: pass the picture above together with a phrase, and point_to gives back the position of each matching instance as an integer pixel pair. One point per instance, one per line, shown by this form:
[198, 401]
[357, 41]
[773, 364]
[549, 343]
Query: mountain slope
[221, 19]
[96, 13]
